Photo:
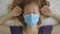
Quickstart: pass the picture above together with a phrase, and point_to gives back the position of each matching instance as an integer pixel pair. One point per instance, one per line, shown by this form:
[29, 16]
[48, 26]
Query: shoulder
[16, 29]
[46, 29]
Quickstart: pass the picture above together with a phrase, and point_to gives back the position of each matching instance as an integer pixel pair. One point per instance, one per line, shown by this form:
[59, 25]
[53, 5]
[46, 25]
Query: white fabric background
[55, 6]
[3, 6]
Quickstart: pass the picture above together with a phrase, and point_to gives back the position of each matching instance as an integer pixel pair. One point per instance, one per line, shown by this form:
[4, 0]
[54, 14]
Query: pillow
[4, 6]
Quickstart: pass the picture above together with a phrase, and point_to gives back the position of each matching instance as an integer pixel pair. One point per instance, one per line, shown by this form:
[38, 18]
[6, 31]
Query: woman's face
[31, 14]
[31, 9]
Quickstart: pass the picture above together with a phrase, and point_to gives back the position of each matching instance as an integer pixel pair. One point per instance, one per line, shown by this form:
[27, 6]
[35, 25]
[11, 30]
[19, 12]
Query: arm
[5, 29]
[15, 12]
[4, 18]
[55, 16]
[46, 11]
[56, 29]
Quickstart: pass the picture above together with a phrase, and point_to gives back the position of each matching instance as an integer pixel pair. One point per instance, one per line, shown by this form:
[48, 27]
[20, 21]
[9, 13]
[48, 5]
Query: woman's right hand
[46, 11]
[16, 11]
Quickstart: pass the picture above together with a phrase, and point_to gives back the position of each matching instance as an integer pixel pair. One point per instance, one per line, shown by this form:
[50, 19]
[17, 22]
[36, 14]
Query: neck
[31, 29]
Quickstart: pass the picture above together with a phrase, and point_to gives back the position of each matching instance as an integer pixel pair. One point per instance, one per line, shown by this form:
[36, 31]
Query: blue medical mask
[31, 19]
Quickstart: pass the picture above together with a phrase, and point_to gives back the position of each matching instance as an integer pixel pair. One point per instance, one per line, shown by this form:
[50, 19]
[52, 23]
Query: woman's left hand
[46, 11]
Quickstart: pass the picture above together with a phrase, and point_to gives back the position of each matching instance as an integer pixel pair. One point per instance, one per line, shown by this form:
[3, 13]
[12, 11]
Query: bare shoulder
[4, 29]
[56, 29]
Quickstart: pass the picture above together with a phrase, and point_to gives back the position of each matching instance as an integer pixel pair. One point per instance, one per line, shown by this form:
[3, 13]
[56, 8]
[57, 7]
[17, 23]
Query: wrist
[10, 15]
[6, 17]
[53, 15]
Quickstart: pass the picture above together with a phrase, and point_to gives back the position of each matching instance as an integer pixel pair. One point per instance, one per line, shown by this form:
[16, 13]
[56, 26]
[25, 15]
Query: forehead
[31, 6]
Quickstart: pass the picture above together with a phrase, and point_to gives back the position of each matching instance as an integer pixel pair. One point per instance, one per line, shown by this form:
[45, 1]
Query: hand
[16, 11]
[46, 11]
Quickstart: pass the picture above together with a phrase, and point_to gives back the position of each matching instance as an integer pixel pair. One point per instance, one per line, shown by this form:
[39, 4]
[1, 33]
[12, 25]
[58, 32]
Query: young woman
[30, 17]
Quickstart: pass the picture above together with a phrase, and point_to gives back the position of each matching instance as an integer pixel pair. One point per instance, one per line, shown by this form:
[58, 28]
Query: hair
[22, 3]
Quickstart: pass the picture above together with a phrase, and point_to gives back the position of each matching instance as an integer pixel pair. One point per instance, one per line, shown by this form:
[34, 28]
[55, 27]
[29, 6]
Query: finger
[19, 12]
[18, 7]
[45, 7]
[43, 12]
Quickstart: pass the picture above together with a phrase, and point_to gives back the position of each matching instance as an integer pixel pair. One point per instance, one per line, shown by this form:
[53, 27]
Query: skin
[46, 11]
[29, 29]
[6, 29]
[17, 11]
[33, 9]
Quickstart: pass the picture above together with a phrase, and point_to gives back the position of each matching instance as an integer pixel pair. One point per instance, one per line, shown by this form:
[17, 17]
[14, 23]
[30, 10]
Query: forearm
[4, 29]
[4, 18]
[15, 12]
[55, 16]
[56, 29]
